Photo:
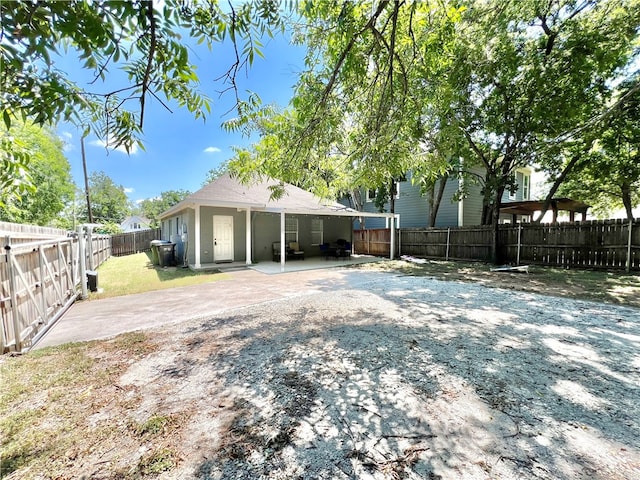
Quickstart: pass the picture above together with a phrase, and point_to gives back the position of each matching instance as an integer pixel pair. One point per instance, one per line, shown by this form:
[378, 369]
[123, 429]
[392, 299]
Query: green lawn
[135, 274]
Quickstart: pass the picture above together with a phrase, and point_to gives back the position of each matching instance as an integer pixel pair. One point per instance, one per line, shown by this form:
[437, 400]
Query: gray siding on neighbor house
[472, 206]
[448, 210]
[414, 208]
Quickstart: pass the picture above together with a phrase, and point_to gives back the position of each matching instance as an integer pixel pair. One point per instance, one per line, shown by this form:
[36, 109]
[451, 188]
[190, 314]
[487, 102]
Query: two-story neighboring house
[413, 208]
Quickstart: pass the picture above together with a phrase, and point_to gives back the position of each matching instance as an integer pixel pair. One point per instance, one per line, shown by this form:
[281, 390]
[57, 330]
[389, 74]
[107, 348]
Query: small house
[228, 221]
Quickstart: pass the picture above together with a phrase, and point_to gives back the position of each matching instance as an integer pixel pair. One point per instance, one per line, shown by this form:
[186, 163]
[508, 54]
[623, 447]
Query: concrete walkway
[91, 320]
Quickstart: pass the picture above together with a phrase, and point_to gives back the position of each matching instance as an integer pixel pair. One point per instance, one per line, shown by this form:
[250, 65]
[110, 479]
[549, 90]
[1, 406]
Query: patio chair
[294, 251]
[344, 248]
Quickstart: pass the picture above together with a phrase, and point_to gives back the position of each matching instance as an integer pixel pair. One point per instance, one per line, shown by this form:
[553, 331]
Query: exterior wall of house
[173, 227]
[134, 223]
[206, 232]
[448, 211]
[414, 208]
[266, 231]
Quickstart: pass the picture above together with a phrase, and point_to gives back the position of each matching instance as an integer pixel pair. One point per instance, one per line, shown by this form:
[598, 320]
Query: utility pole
[86, 180]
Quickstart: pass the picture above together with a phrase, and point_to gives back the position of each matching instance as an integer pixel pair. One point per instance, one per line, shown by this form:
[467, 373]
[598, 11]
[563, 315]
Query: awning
[529, 207]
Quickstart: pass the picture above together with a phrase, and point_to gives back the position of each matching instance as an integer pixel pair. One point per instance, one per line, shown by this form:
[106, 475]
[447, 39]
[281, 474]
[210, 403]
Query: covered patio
[227, 224]
[529, 207]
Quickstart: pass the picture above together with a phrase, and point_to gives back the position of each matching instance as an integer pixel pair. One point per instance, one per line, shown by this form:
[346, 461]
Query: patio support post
[197, 235]
[248, 235]
[392, 247]
[283, 254]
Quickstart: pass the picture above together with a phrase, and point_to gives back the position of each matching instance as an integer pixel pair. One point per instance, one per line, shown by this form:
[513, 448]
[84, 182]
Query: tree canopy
[142, 38]
[476, 88]
[50, 171]
[151, 208]
[610, 177]
[109, 202]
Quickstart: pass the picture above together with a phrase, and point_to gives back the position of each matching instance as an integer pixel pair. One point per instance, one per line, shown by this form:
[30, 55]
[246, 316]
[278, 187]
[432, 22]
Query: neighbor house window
[290, 229]
[371, 195]
[316, 231]
[525, 186]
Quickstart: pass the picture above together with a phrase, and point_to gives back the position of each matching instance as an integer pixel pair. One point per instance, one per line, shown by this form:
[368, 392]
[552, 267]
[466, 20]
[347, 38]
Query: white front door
[222, 238]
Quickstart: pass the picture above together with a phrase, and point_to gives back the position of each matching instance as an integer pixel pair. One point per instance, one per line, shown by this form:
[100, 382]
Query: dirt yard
[395, 376]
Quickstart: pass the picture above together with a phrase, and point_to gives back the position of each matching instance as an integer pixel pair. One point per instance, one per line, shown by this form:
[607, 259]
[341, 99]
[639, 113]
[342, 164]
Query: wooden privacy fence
[133, 242]
[375, 241]
[39, 281]
[600, 244]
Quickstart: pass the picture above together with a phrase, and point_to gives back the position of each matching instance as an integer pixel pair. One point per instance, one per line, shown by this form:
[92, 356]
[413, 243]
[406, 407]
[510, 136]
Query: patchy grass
[136, 274]
[610, 287]
[57, 406]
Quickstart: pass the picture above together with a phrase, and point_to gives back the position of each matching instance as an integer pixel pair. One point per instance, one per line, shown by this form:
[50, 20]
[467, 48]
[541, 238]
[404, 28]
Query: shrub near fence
[601, 244]
[133, 242]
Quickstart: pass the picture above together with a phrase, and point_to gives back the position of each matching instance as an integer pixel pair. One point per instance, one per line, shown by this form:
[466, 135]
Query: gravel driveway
[396, 376]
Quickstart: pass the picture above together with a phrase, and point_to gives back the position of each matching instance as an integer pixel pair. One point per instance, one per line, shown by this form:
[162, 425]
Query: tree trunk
[392, 196]
[436, 199]
[575, 160]
[495, 223]
[356, 197]
[626, 201]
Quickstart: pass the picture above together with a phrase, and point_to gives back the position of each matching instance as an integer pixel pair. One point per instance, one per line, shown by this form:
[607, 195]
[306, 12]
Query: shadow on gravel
[424, 379]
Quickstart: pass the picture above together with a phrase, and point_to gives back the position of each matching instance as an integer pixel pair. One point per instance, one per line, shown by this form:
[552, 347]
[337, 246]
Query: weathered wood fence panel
[601, 244]
[372, 242]
[133, 242]
[21, 233]
[39, 281]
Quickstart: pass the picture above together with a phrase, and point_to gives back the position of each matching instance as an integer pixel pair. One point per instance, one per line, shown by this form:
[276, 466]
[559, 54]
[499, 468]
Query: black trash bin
[166, 254]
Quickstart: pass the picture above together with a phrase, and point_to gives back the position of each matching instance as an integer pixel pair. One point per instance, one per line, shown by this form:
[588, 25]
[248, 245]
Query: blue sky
[179, 150]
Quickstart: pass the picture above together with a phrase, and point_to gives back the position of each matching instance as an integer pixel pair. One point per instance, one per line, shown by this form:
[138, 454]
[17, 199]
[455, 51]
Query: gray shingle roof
[227, 191]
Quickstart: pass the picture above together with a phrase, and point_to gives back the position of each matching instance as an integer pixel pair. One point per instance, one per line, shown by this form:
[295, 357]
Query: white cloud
[129, 190]
[121, 149]
[67, 138]
[212, 150]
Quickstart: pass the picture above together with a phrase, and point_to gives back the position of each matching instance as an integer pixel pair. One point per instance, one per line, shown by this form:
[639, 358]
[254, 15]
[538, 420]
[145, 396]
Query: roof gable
[227, 191]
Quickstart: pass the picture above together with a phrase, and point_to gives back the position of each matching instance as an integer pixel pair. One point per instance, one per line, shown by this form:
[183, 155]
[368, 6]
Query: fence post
[448, 238]
[83, 263]
[89, 248]
[519, 243]
[13, 295]
[43, 297]
[628, 268]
